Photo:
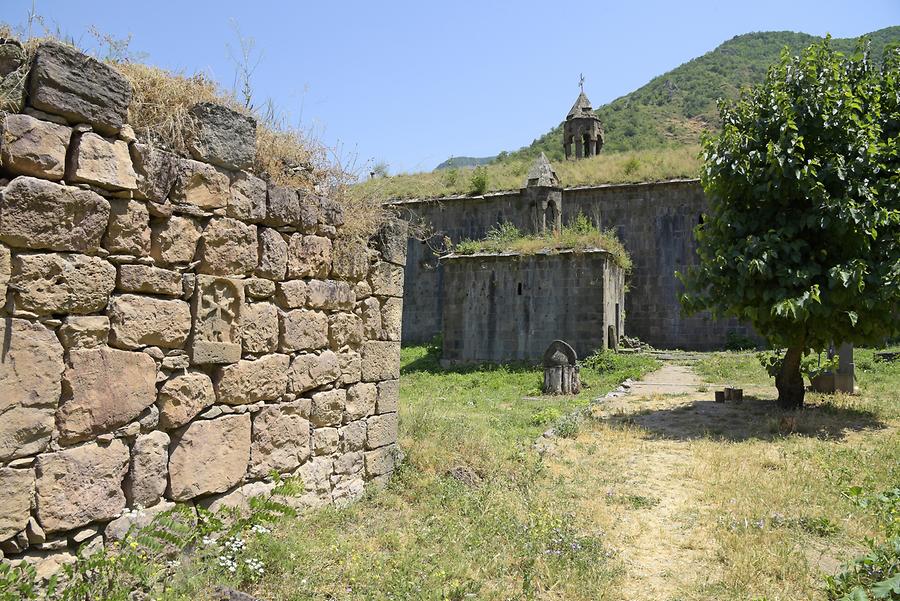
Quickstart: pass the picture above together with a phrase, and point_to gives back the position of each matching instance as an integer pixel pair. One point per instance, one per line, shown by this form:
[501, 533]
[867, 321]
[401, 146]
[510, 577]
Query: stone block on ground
[31, 368]
[42, 215]
[280, 439]
[77, 486]
[129, 228]
[181, 398]
[139, 321]
[149, 280]
[200, 185]
[16, 497]
[244, 382]
[62, 283]
[101, 162]
[222, 136]
[380, 361]
[228, 247]
[105, 389]
[209, 456]
[33, 147]
[147, 475]
[65, 82]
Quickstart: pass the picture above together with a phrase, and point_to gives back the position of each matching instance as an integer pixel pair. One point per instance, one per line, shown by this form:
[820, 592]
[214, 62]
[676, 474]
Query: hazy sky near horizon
[412, 83]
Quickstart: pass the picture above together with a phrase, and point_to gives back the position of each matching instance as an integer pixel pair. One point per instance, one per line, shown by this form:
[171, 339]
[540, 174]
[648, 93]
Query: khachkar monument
[582, 129]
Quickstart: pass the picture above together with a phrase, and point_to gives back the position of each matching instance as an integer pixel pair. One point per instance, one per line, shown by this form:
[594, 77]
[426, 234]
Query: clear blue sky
[413, 82]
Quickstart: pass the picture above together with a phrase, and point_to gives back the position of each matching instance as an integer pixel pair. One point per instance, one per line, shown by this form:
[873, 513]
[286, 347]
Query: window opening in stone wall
[520, 288]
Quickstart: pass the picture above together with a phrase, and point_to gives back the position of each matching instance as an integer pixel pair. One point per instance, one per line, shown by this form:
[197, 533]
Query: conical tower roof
[542, 174]
[581, 108]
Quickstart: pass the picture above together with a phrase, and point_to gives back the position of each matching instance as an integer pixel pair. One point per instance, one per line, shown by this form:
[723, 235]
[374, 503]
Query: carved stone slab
[217, 320]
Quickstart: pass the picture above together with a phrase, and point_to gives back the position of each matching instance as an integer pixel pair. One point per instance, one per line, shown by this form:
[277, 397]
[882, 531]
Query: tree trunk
[789, 381]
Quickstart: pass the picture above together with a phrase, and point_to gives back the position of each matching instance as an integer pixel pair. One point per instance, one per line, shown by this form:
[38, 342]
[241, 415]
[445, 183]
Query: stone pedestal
[561, 369]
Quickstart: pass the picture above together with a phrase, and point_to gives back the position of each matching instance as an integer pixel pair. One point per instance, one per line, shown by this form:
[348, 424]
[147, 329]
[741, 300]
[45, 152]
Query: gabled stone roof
[542, 174]
[581, 108]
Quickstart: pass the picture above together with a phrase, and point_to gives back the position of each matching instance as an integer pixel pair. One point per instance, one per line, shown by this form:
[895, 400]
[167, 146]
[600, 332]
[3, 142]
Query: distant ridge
[464, 162]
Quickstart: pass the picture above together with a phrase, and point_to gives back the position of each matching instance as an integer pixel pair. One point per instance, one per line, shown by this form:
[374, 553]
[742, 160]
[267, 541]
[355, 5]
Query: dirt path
[650, 508]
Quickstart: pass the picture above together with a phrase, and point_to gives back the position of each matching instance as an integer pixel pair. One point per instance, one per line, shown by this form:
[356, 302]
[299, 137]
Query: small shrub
[545, 416]
[631, 166]
[735, 341]
[568, 425]
[478, 183]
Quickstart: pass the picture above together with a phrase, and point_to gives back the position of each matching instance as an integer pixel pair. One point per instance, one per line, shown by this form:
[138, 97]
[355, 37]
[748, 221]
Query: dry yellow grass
[622, 167]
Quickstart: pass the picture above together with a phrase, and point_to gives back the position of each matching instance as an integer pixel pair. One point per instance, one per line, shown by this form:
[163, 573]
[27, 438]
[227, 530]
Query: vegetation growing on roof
[579, 236]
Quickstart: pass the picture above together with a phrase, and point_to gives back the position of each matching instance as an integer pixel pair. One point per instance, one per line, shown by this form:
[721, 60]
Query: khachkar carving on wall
[175, 328]
[217, 320]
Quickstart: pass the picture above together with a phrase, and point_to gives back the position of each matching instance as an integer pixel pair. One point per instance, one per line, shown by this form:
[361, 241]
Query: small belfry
[582, 130]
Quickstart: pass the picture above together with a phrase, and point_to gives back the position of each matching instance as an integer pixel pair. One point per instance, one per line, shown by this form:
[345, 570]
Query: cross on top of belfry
[581, 82]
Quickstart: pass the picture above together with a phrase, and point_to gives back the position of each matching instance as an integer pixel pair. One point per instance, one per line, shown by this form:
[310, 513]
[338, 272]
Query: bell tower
[582, 130]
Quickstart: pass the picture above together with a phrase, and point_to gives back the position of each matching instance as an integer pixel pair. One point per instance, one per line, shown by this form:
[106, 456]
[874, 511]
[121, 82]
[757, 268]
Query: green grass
[579, 236]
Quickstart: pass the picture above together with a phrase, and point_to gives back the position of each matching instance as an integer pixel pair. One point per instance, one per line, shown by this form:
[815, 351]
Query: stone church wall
[500, 308]
[655, 222]
[175, 329]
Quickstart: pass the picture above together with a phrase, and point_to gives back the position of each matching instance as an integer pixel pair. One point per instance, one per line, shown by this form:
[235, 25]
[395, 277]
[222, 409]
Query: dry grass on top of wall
[581, 235]
[285, 155]
[607, 168]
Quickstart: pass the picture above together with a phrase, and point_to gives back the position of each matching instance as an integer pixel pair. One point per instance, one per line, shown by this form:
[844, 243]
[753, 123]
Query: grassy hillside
[673, 108]
[464, 162]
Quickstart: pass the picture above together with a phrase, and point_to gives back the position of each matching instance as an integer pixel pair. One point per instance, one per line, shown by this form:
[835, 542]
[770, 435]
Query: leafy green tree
[803, 235]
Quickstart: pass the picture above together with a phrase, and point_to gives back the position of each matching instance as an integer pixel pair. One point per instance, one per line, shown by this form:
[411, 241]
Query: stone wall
[500, 308]
[175, 329]
[655, 222]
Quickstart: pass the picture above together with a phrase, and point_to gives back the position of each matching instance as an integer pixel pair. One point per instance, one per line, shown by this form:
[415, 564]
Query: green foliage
[735, 341]
[545, 416]
[605, 360]
[147, 560]
[580, 235]
[801, 240]
[478, 183]
[568, 425]
[875, 575]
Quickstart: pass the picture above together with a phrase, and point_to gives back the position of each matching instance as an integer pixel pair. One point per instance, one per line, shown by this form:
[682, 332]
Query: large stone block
[31, 368]
[104, 389]
[41, 215]
[388, 396]
[392, 241]
[200, 185]
[351, 367]
[248, 198]
[273, 255]
[101, 162]
[264, 379]
[209, 456]
[156, 171]
[181, 398]
[139, 321]
[328, 408]
[350, 259]
[65, 82]
[381, 430]
[370, 311]
[47, 284]
[311, 371]
[223, 137]
[380, 361]
[308, 257]
[84, 331]
[133, 521]
[292, 294]
[147, 475]
[386, 279]
[129, 228]
[280, 439]
[13, 73]
[260, 328]
[361, 400]
[16, 498]
[282, 207]
[325, 441]
[81, 485]
[149, 280]
[344, 330]
[353, 436]
[228, 247]
[217, 307]
[329, 212]
[392, 318]
[330, 295]
[303, 330]
[174, 240]
[381, 461]
[29, 146]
